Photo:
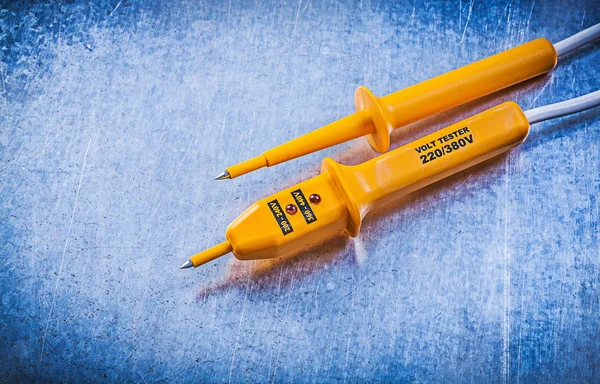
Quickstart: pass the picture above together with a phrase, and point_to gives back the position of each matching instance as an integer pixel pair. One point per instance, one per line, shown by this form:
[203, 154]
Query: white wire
[563, 108]
[578, 40]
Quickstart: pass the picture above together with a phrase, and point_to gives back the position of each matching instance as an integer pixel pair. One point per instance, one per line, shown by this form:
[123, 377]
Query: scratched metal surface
[115, 117]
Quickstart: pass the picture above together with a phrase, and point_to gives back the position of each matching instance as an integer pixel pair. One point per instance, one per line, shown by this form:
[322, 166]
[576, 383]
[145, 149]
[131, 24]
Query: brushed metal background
[115, 116]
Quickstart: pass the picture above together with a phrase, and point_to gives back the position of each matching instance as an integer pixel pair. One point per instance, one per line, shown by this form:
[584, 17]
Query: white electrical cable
[578, 104]
[563, 108]
[577, 40]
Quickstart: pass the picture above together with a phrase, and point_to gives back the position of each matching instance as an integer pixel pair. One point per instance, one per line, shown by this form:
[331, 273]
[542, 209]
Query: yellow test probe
[377, 117]
[338, 199]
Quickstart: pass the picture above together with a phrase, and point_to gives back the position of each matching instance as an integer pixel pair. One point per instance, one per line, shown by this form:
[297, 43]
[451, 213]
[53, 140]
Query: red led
[314, 198]
[291, 209]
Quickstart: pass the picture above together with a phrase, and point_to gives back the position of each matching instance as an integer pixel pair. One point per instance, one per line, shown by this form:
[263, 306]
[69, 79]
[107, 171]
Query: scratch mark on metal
[467, 22]
[521, 330]
[347, 359]
[237, 337]
[540, 92]
[62, 259]
[502, 17]
[530, 14]
[225, 115]
[113, 11]
[296, 22]
[287, 305]
[507, 277]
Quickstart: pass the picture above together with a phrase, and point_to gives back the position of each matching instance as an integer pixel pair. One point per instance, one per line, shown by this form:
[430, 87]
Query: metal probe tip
[186, 265]
[223, 175]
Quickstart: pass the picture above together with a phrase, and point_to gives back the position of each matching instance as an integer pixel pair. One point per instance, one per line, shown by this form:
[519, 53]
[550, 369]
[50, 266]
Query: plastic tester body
[377, 117]
[271, 228]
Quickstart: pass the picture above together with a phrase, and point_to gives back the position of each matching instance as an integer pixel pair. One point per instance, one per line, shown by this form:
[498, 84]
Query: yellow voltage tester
[378, 117]
[338, 199]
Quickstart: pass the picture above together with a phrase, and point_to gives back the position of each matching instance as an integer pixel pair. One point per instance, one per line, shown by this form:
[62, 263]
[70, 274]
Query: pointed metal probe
[208, 255]
[223, 175]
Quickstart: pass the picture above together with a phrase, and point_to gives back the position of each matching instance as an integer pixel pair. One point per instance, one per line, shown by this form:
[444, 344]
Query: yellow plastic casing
[427, 160]
[266, 230]
[453, 88]
[348, 193]
[377, 117]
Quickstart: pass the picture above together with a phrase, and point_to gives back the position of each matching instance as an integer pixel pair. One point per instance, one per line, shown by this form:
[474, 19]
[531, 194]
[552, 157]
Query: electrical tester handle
[427, 160]
[377, 117]
[453, 88]
[292, 219]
